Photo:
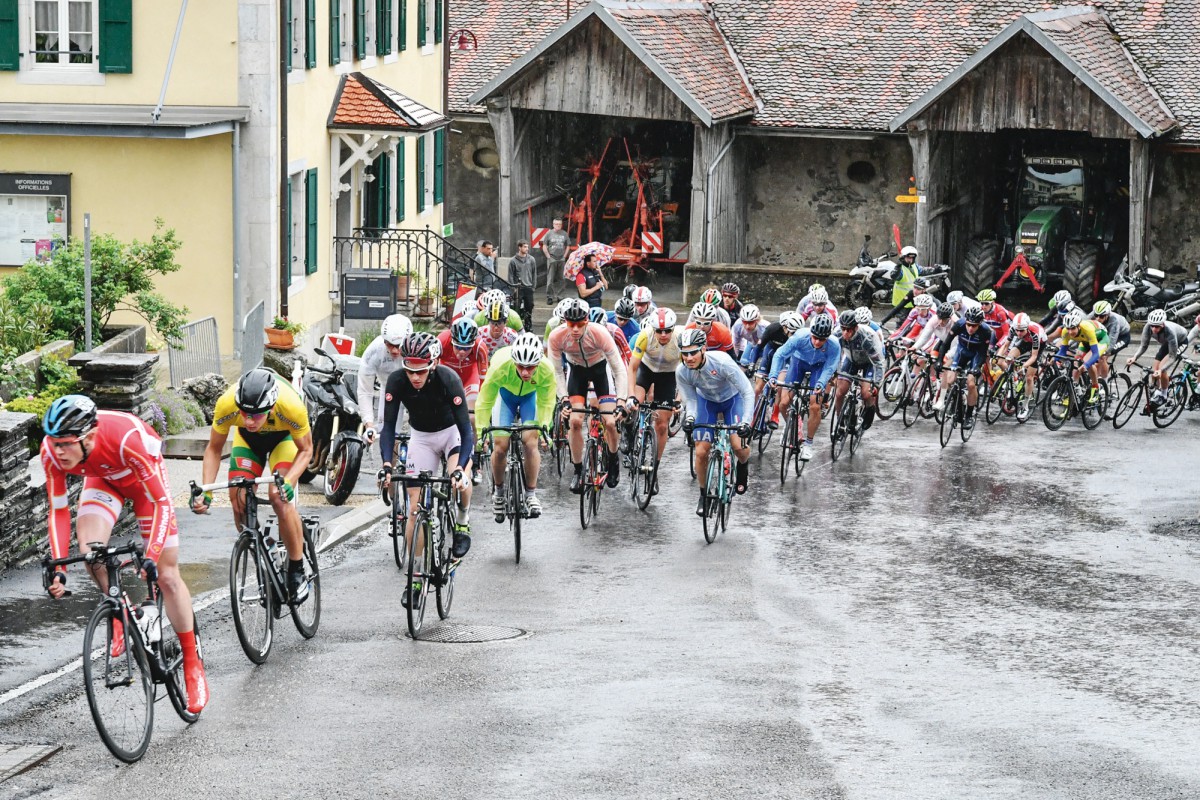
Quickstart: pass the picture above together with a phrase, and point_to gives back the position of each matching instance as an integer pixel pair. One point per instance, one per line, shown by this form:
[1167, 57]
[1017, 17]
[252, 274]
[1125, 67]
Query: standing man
[484, 257]
[555, 244]
[522, 274]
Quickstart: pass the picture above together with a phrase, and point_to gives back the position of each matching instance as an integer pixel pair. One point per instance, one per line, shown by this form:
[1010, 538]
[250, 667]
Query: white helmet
[562, 306]
[704, 312]
[954, 297]
[791, 321]
[863, 315]
[1073, 319]
[818, 295]
[1061, 298]
[527, 350]
[908, 250]
[395, 329]
[923, 301]
[660, 319]
[643, 295]
[750, 313]
[1157, 317]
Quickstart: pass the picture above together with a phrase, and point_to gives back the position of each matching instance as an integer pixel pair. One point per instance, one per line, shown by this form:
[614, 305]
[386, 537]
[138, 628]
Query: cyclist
[729, 300]
[818, 304]
[512, 319]
[865, 317]
[974, 341]
[556, 318]
[714, 387]
[120, 458]
[1061, 303]
[775, 336]
[1119, 334]
[270, 432]
[624, 316]
[806, 301]
[704, 316]
[862, 354]
[961, 303]
[1171, 339]
[598, 316]
[1077, 331]
[1025, 341]
[441, 429]
[652, 369]
[643, 302]
[462, 348]
[496, 333]
[920, 288]
[519, 385]
[814, 351]
[713, 298]
[380, 359]
[995, 316]
[593, 357]
[747, 332]
[921, 315]
[936, 332]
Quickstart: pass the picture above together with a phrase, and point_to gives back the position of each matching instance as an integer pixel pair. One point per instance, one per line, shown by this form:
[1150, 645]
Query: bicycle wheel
[712, 501]
[252, 599]
[1169, 410]
[964, 432]
[307, 615]
[837, 433]
[172, 659]
[915, 400]
[997, 397]
[1057, 405]
[691, 455]
[1130, 403]
[120, 692]
[1092, 414]
[893, 391]
[645, 467]
[341, 471]
[949, 416]
[854, 423]
[790, 428]
[419, 570]
[675, 424]
[446, 566]
[762, 412]
[589, 483]
[399, 498]
[516, 502]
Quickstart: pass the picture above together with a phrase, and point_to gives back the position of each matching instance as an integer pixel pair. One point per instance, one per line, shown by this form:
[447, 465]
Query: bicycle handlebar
[235, 483]
[525, 426]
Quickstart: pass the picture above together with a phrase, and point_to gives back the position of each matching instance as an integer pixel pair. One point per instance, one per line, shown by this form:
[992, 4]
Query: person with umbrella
[590, 282]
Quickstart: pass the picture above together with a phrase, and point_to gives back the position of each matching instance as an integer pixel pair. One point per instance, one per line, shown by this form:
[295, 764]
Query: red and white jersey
[1034, 335]
[914, 323]
[465, 363]
[622, 343]
[494, 343]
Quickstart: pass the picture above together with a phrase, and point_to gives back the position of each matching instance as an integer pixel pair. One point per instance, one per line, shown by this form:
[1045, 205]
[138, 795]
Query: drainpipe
[708, 198]
[285, 55]
[237, 240]
[162, 94]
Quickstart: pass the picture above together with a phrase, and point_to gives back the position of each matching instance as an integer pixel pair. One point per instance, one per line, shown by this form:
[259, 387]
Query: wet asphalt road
[1015, 617]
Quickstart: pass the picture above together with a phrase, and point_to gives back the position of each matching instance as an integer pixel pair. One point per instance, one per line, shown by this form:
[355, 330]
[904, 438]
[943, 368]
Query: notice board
[34, 209]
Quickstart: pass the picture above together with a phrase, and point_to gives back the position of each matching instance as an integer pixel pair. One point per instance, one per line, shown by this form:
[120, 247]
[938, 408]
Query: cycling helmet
[464, 332]
[257, 391]
[484, 300]
[642, 294]
[1066, 308]
[1073, 319]
[908, 250]
[497, 311]
[577, 311]
[1061, 297]
[395, 329]
[848, 319]
[986, 296]
[954, 297]
[1157, 317]
[1021, 322]
[923, 301]
[692, 339]
[822, 327]
[750, 313]
[1101, 308]
[419, 350]
[791, 321]
[710, 296]
[598, 315]
[662, 319]
[563, 305]
[863, 315]
[731, 288]
[624, 308]
[630, 290]
[945, 311]
[69, 415]
[974, 315]
[703, 312]
[818, 295]
[527, 350]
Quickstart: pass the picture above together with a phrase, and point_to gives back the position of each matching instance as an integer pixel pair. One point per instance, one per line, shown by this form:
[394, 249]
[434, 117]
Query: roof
[678, 40]
[362, 103]
[87, 119]
[1082, 40]
[857, 64]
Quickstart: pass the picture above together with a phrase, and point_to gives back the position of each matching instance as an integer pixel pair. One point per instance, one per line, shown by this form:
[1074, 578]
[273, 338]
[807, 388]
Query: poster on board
[34, 215]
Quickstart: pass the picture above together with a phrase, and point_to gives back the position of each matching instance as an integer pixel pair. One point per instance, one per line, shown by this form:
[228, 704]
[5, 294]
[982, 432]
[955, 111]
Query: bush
[57, 379]
[173, 412]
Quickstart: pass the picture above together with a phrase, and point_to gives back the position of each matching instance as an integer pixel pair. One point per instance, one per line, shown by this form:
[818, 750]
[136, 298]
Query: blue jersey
[800, 348]
[631, 328]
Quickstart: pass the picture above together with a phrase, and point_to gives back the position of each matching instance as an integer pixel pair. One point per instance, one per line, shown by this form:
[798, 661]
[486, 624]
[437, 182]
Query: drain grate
[17, 758]
[453, 633]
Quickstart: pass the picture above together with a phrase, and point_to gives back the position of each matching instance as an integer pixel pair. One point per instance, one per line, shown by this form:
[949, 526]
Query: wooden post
[501, 116]
[700, 159]
[1141, 172]
[920, 139]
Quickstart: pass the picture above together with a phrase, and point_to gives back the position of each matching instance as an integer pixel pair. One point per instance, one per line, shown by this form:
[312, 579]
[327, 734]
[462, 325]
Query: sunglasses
[622, 320]
[663, 331]
[816, 338]
[417, 365]
[971, 324]
[690, 353]
[65, 441]
[578, 324]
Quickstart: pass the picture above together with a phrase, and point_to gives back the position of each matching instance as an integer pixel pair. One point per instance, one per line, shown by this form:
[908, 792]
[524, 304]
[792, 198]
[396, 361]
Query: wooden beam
[919, 141]
[501, 116]
[1141, 176]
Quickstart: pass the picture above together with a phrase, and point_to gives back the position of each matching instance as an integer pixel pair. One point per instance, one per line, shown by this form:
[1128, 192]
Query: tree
[123, 277]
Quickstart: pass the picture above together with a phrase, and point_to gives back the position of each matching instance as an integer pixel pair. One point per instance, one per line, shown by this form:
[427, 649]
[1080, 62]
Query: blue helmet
[69, 415]
[598, 315]
[464, 332]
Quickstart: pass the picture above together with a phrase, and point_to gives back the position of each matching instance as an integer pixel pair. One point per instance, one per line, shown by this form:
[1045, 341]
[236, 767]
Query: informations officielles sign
[33, 214]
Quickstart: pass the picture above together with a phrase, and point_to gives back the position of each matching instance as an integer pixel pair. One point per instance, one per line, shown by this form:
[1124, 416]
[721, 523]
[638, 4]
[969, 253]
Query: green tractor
[1069, 226]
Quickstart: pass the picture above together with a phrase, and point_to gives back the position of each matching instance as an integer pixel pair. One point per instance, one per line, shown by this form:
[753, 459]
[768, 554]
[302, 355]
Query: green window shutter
[10, 36]
[383, 27]
[335, 32]
[383, 177]
[310, 221]
[400, 182]
[403, 24]
[420, 174]
[437, 21]
[116, 36]
[291, 21]
[439, 164]
[421, 23]
[287, 259]
[310, 34]
[360, 29]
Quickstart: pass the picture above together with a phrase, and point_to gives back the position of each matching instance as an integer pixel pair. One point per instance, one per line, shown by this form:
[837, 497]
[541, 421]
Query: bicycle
[643, 467]
[595, 467]
[954, 413]
[516, 508]
[1005, 394]
[258, 566]
[760, 420]
[848, 423]
[720, 475]
[433, 529]
[1137, 396]
[151, 655]
[918, 403]
[1180, 394]
[559, 442]
[398, 502]
[894, 390]
[795, 420]
[1067, 397]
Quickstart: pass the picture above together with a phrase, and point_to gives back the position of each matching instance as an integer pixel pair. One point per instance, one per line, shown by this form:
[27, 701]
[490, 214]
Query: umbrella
[603, 253]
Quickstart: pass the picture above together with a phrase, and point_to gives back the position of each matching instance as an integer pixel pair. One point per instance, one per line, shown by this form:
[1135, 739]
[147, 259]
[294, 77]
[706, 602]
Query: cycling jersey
[1117, 327]
[630, 329]
[470, 365]
[719, 337]
[822, 361]
[622, 343]
[735, 310]
[935, 332]
[717, 380]
[288, 416]
[1170, 338]
[744, 337]
[438, 405]
[593, 346]
[493, 343]
[513, 321]
[809, 312]
[377, 363]
[503, 381]
[125, 459]
[863, 350]
[997, 319]
[914, 323]
[1085, 336]
[1028, 340]
[654, 356]
[972, 347]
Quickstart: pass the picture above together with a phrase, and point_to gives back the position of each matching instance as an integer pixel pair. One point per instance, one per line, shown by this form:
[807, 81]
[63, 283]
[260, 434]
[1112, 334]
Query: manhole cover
[16, 758]
[453, 633]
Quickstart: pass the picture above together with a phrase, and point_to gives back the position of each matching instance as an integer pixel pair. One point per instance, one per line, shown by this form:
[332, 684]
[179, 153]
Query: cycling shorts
[1163, 350]
[595, 377]
[427, 451]
[796, 370]
[864, 371]
[749, 355]
[1092, 358]
[100, 498]
[968, 359]
[765, 357]
[251, 452]
[511, 409]
[710, 412]
[661, 383]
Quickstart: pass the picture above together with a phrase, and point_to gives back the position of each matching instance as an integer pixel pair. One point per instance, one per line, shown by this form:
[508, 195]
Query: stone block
[765, 286]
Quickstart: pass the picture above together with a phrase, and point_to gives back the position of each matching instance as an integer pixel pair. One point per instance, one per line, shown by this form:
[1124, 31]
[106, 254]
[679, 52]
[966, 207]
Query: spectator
[484, 257]
[522, 274]
[591, 282]
[555, 244]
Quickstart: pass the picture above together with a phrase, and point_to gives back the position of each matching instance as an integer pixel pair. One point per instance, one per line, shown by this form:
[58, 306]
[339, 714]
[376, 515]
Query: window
[364, 27]
[64, 32]
[422, 202]
[295, 34]
[439, 165]
[431, 157]
[401, 25]
[335, 32]
[310, 221]
[297, 239]
[377, 194]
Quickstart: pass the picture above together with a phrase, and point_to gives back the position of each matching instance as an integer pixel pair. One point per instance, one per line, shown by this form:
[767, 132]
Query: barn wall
[472, 183]
[804, 209]
[1174, 219]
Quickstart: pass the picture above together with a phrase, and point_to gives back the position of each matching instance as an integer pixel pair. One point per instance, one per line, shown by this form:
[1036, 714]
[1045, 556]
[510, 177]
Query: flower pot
[402, 282]
[279, 339]
[425, 307]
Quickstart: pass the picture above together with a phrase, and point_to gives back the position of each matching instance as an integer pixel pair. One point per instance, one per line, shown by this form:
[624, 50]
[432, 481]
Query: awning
[86, 119]
[367, 106]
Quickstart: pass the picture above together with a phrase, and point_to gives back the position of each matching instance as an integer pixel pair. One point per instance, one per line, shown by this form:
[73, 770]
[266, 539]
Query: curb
[352, 523]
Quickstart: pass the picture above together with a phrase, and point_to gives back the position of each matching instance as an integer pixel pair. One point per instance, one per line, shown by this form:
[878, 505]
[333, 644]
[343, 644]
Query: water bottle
[150, 622]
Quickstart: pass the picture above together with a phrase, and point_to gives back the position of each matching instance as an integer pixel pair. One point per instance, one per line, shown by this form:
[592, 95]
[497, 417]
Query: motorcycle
[331, 397]
[870, 279]
[1135, 294]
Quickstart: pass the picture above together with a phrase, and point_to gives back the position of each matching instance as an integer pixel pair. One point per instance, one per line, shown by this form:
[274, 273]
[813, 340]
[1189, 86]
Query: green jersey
[502, 377]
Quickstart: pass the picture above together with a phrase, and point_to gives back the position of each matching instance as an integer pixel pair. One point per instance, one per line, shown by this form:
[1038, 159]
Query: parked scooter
[870, 279]
[1135, 294]
[330, 396]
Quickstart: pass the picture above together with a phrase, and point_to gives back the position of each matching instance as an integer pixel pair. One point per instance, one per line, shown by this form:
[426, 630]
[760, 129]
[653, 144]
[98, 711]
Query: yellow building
[135, 111]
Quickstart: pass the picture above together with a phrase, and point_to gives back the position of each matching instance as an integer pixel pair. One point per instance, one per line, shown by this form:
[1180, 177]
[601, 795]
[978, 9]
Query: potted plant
[282, 334]
[425, 301]
[406, 282]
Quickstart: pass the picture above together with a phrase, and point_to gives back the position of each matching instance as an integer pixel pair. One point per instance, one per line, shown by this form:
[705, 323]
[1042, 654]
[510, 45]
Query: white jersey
[935, 328]
[377, 365]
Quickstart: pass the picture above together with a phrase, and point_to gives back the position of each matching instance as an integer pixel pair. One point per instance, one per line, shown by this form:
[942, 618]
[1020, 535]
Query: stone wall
[812, 199]
[1174, 223]
[769, 287]
[22, 505]
[473, 183]
[32, 361]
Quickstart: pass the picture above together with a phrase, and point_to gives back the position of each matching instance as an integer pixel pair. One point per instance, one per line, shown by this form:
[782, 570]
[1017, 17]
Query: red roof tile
[365, 103]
